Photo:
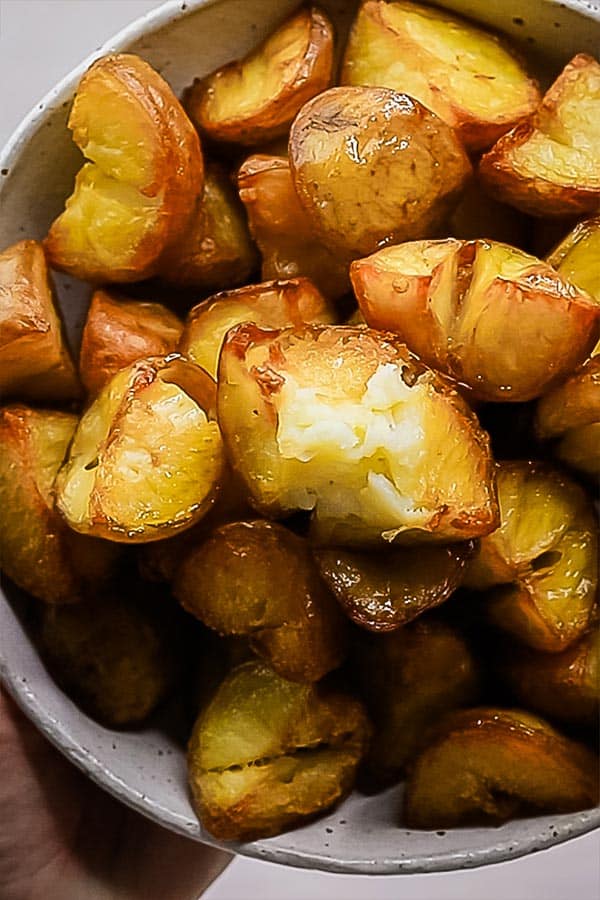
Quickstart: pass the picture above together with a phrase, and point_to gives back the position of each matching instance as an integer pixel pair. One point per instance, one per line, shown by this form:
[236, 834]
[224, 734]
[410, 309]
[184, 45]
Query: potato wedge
[576, 257]
[543, 558]
[467, 76]
[216, 250]
[573, 404]
[344, 421]
[255, 100]
[273, 304]
[491, 764]
[37, 551]
[111, 656]
[267, 754]
[549, 165]
[35, 362]
[382, 591]
[118, 332]
[373, 167]
[409, 679]
[137, 193]
[257, 578]
[493, 317]
[282, 229]
[147, 458]
[564, 686]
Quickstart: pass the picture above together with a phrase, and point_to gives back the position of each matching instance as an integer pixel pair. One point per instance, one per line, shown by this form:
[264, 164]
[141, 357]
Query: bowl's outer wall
[146, 769]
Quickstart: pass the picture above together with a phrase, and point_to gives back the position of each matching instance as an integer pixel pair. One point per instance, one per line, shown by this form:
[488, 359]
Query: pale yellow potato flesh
[256, 99]
[576, 257]
[345, 422]
[467, 76]
[147, 458]
[137, 192]
[35, 362]
[549, 165]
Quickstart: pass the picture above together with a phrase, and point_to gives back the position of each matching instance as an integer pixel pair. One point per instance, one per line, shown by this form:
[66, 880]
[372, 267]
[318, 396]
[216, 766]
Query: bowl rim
[565, 829]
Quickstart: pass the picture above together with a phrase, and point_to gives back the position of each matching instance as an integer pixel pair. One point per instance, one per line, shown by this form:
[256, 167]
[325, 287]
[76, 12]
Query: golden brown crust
[295, 82]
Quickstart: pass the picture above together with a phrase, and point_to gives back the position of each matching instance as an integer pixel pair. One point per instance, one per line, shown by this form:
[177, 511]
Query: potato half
[216, 250]
[136, 194]
[272, 304]
[147, 457]
[282, 229]
[268, 753]
[382, 591]
[543, 558]
[374, 167]
[35, 362]
[549, 165]
[37, 550]
[257, 578]
[563, 686]
[254, 100]
[408, 680]
[118, 332]
[468, 77]
[344, 421]
[493, 317]
[491, 764]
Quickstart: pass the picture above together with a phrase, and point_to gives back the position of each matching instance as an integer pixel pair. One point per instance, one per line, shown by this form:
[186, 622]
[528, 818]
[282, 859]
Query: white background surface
[40, 41]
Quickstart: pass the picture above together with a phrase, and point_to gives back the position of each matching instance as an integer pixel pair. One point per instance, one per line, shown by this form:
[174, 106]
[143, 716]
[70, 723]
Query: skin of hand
[62, 838]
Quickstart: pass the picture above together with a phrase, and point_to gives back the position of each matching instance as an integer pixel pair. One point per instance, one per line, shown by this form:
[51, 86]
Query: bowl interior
[146, 768]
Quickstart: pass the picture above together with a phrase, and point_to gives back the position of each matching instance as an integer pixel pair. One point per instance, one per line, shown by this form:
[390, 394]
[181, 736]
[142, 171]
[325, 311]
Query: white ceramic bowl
[146, 769]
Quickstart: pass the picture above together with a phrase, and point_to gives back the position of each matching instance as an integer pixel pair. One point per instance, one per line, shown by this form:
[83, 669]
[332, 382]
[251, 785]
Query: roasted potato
[490, 764]
[493, 317]
[543, 558]
[112, 656]
[146, 458]
[282, 229]
[576, 257]
[118, 332]
[35, 363]
[257, 578]
[136, 194]
[549, 165]
[267, 754]
[468, 77]
[563, 686]
[273, 304]
[382, 591]
[37, 550]
[216, 251]
[373, 167]
[255, 100]
[408, 679]
[344, 421]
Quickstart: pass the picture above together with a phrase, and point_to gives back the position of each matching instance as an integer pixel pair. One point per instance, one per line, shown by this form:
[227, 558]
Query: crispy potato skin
[267, 754]
[37, 550]
[120, 481]
[35, 362]
[492, 317]
[145, 180]
[564, 686]
[490, 764]
[118, 332]
[539, 185]
[216, 251]
[272, 304]
[373, 167]
[385, 50]
[113, 657]
[282, 229]
[294, 81]
[256, 578]
[269, 378]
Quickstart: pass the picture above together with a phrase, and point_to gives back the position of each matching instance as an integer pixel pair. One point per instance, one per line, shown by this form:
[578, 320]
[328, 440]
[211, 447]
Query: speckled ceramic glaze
[146, 769]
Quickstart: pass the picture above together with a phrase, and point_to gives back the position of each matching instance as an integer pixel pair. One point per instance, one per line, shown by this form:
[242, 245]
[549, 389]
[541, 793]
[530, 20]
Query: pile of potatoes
[343, 505]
